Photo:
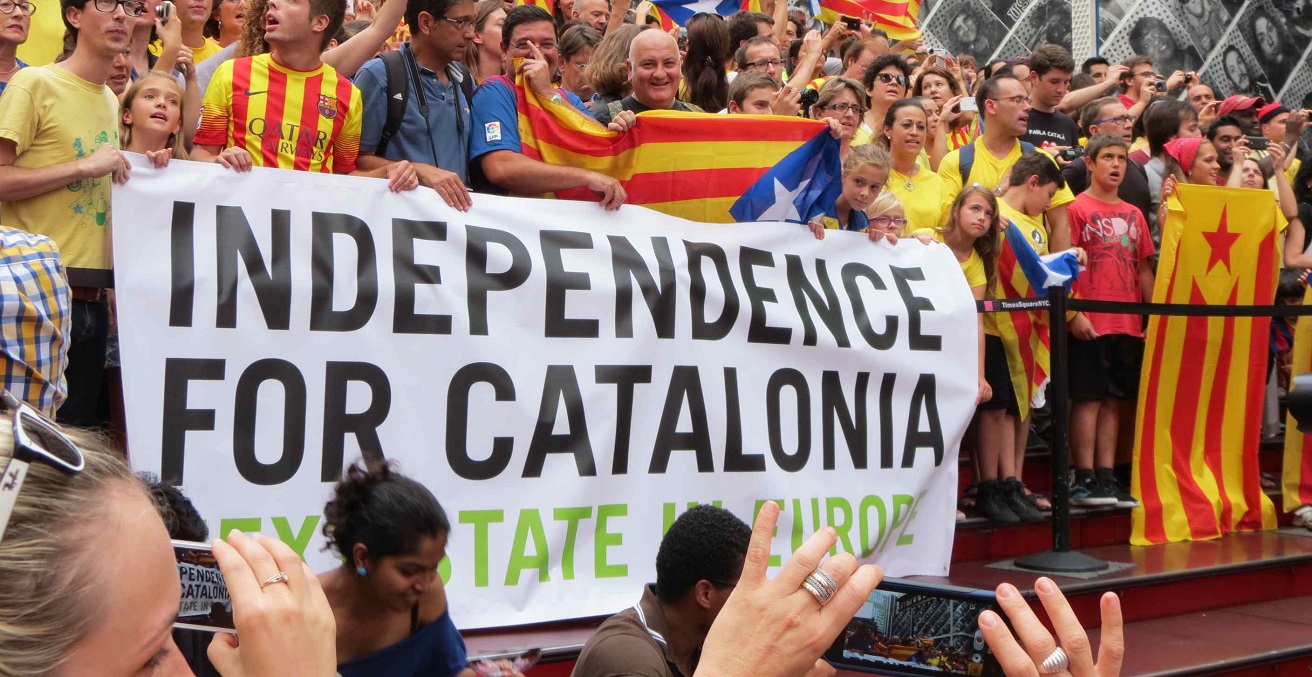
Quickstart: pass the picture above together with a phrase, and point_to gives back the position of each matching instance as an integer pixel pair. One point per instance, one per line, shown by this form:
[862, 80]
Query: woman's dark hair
[1302, 192]
[891, 116]
[1162, 122]
[388, 512]
[703, 67]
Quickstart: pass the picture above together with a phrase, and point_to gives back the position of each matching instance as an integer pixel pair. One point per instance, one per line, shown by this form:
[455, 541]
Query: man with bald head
[595, 13]
[654, 75]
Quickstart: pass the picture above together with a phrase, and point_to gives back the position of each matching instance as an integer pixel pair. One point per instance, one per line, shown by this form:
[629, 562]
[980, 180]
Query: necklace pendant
[908, 185]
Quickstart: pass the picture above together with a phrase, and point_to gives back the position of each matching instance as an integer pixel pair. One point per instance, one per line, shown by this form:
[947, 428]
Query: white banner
[565, 380]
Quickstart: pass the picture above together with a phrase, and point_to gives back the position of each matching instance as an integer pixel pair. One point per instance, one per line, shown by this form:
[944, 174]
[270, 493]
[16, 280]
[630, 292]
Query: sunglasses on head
[35, 440]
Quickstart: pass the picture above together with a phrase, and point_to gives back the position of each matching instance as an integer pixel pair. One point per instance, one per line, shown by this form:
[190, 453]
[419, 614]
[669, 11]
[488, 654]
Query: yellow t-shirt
[198, 54]
[923, 196]
[972, 267]
[988, 172]
[54, 117]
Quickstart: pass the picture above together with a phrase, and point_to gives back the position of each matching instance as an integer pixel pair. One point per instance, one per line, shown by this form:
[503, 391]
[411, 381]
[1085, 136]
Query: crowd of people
[90, 586]
[424, 94]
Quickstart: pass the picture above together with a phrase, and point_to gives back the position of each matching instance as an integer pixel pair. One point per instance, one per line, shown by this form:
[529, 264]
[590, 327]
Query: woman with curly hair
[387, 596]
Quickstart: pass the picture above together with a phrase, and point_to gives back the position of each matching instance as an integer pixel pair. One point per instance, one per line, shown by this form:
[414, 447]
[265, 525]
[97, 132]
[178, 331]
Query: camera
[164, 11]
[1160, 85]
[968, 105]
[1258, 142]
[1071, 154]
[853, 24]
[809, 97]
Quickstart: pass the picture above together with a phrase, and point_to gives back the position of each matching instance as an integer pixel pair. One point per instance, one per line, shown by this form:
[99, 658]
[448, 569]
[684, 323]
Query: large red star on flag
[1221, 241]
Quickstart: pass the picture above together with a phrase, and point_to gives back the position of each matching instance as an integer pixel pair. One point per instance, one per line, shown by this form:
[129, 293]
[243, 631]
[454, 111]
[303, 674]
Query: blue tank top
[21, 66]
[435, 649]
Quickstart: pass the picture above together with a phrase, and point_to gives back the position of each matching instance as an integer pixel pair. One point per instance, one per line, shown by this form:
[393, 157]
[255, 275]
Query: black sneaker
[1091, 494]
[993, 503]
[1124, 499]
[1014, 495]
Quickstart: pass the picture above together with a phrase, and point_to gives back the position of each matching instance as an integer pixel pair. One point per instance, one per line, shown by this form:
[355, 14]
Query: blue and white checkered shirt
[35, 319]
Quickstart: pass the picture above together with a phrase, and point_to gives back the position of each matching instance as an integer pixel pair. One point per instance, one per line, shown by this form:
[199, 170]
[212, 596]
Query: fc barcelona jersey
[285, 118]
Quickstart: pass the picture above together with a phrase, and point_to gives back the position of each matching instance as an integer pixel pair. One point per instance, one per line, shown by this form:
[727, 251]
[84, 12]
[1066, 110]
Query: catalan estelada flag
[1296, 478]
[691, 165]
[1023, 274]
[680, 11]
[1201, 390]
[896, 17]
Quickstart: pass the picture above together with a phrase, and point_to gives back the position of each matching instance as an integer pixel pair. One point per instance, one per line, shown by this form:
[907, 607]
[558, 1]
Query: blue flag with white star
[802, 186]
[1054, 270]
[680, 11]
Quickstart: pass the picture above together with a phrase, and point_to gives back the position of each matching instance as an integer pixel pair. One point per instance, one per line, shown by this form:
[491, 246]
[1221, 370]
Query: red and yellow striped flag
[1297, 472]
[896, 17]
[1024, 334]
[1200, 395]
[691, 165]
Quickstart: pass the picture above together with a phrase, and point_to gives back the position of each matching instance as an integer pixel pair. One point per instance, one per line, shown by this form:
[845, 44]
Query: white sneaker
[1303, 517]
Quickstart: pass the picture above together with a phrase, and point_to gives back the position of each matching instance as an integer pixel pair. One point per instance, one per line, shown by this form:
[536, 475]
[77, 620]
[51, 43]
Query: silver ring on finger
[280, 577]
[1057, 661]
[819, 588]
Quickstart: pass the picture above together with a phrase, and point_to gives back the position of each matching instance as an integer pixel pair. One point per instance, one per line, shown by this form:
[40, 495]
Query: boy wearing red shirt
[1106, 351]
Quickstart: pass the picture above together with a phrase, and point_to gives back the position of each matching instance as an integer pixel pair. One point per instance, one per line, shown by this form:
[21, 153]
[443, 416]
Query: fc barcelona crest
[327, 106]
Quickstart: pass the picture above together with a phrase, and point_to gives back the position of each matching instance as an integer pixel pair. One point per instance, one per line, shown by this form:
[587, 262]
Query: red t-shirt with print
[1116, 238]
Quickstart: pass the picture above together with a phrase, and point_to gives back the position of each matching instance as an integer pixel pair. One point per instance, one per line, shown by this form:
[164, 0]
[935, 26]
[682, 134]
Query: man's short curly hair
[706, 543]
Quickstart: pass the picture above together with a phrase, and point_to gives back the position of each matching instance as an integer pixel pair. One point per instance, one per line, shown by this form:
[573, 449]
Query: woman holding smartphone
[387, 595]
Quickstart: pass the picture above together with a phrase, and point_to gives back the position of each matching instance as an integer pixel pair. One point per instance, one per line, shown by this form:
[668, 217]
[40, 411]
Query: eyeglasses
[890, 77]
[24, 8]
[1118, 119]
[130, 7]
[525, 46]
[885, 221]
[766, 63]
[844, 108]
[462, 24]
[1018, 99]
[35, 439]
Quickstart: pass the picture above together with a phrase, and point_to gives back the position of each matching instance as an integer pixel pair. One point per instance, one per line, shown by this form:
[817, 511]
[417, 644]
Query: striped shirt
[35, 317]
[285, 118]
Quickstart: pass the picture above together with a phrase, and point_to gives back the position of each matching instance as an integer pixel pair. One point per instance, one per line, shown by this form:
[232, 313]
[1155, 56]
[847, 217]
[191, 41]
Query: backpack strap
[398, 95]
[966, 159]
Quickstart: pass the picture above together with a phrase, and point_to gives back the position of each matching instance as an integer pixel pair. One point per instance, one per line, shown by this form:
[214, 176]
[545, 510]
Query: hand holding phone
[504, 668]
[969, 105]
[853, 23]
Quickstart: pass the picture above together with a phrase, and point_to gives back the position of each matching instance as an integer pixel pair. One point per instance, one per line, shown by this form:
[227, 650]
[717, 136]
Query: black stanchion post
[1061, 558]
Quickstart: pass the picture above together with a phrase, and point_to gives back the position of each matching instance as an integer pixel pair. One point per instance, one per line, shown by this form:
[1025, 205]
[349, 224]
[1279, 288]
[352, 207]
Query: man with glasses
[58, 153]
[288, 109]
[1109, 116]
[434, 129]
[1005, 108]
[761, 55]
[528, 37]
[697, 566]
[15, 19]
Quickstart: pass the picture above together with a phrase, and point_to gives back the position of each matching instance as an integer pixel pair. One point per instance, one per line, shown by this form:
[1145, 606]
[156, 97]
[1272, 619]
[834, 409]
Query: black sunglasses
[35, 439]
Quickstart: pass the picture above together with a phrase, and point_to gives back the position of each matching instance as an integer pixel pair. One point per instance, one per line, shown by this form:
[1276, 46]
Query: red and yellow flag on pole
[1296, 480]
[1200, 395]
[691, 165]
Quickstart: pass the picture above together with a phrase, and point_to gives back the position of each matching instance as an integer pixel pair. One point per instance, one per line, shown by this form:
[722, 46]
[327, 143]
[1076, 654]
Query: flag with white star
[683, 10]
[803, 185]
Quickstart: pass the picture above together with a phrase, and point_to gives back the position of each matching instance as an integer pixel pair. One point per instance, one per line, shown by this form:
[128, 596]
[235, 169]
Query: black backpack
[398, 95]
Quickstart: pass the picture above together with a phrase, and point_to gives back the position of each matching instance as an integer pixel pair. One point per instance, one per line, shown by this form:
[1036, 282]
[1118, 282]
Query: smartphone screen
[205, 603]
[911, 628]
